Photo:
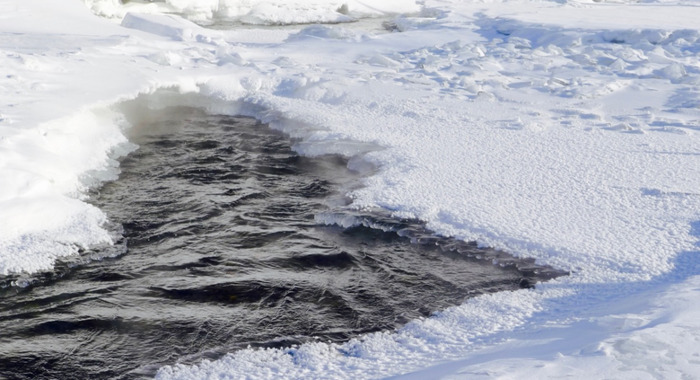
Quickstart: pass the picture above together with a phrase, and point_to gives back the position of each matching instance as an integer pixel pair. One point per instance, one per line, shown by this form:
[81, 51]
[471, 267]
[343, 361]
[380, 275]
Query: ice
[555, 130]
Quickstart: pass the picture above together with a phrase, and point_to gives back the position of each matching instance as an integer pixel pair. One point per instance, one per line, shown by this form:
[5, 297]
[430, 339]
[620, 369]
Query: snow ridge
[257, 12]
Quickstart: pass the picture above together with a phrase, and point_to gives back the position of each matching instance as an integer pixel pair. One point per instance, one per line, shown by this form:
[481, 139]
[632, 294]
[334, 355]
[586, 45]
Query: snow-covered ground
[567, 131]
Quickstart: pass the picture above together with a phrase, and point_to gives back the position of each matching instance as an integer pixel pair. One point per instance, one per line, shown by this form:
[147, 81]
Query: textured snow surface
[556, 130]
[258, 12]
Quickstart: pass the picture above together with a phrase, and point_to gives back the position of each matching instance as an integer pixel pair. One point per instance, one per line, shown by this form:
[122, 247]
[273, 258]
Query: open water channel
[221, 248]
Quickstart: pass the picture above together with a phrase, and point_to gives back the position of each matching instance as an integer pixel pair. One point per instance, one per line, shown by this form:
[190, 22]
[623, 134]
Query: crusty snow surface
[567, 131]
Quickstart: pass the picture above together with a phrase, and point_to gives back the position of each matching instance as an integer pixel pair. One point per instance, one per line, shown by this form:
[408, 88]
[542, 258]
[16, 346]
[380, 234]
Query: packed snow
[567, 131]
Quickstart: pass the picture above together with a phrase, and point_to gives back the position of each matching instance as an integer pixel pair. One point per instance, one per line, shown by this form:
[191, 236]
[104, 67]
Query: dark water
[224, 252]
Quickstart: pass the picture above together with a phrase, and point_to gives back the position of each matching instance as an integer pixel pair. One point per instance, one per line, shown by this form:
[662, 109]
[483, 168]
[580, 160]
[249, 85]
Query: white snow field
[567, 131]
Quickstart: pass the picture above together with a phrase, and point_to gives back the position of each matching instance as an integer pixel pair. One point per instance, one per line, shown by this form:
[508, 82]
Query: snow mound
[323, 32]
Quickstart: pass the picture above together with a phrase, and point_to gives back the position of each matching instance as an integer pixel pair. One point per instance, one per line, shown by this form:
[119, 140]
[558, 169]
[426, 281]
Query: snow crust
[555, 130]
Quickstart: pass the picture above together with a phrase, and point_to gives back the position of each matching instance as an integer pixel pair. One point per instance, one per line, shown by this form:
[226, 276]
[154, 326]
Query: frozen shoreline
[573, 145]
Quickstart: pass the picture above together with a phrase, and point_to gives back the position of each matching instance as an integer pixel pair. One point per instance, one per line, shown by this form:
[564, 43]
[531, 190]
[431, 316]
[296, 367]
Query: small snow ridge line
[168, 26]
[388, 7]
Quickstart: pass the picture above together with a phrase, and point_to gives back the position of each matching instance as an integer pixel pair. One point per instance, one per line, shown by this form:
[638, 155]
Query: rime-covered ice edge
[558, 130]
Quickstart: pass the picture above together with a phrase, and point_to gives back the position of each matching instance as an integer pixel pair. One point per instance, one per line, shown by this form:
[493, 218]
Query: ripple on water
[224, 252]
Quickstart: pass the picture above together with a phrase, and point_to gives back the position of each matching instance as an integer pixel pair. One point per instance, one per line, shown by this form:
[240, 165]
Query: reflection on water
[218, 215]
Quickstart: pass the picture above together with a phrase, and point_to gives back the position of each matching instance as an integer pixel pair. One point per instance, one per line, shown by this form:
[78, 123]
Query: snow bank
[43, 169]
[650, 336]
[258, 12]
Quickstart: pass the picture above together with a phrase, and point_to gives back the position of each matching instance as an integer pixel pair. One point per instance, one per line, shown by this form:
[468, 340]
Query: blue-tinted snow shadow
[542, 34]
[545, 338]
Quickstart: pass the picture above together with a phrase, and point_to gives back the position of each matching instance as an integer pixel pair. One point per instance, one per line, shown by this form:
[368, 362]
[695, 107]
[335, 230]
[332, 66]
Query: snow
[555, 130]
[257, 12]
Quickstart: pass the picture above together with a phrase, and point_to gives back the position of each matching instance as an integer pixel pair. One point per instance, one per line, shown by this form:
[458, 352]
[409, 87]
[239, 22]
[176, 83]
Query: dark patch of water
[224, 252]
